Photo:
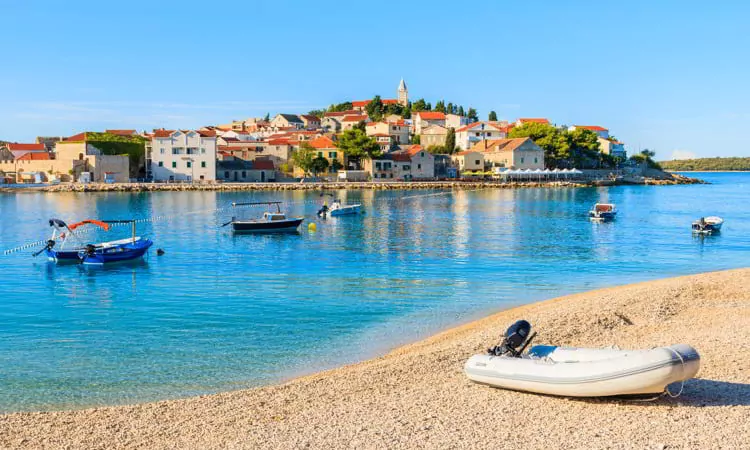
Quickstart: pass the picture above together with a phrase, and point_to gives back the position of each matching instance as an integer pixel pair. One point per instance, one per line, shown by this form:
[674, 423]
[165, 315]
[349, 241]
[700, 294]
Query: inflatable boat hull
[581, 372]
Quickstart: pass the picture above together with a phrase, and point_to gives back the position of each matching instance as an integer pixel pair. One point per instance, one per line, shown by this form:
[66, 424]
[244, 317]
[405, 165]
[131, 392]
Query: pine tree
[492, 117]
[440, 106]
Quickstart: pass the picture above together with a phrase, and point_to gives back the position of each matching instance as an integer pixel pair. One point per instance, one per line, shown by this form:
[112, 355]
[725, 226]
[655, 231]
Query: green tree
[648, 153]
[361, 125]
[556, 146]
[472, 115]
[406, 113]
[304, 156]
[267, 117]
[440, 106]
[319, 113]
[357, 145]
[415, 139]
[450, 109]
[461, 111]
[336, 165]
[374, 109]
[492, 116]
[450, 140]
[346, 106]
[319, 164]
[419, 105]
[438, 150]
[584, 148]
[393, 108]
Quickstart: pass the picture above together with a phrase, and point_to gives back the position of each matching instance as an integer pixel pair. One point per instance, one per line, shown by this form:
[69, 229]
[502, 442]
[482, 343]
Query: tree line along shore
[729, 164]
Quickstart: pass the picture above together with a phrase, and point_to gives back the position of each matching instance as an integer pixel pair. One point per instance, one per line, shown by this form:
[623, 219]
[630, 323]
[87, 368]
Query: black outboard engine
[517, 335]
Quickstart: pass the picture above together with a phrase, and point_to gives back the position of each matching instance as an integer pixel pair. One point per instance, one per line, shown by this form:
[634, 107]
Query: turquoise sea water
[220, 312]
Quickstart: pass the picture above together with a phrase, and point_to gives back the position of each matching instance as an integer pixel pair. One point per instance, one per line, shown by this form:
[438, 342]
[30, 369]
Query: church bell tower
[403, 93]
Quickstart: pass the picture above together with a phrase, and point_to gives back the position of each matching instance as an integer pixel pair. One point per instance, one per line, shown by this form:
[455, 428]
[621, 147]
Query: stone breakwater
[411, 185]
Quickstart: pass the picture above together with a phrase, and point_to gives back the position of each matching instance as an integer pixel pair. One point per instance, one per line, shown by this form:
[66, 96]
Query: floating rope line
[226, 209]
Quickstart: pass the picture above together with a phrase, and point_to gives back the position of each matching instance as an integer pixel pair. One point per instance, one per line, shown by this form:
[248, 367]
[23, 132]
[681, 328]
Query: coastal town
[375, 140]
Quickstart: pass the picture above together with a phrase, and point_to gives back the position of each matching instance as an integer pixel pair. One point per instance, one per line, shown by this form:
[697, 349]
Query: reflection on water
[220, 311]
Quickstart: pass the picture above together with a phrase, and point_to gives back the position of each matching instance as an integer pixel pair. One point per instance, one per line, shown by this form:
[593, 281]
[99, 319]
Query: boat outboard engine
[323, 210]
[517, 335]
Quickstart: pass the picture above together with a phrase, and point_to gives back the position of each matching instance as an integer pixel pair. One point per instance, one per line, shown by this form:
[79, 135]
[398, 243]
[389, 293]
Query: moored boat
[270, 222]
[581, 372]
[603, 211]
[338, 209]
[72, 249]
[708, 225]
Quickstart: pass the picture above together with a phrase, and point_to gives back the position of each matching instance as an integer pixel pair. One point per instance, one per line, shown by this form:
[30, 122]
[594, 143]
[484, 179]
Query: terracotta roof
[229, 139]
[322, 142]
[360, 103]
[161, 133]
[591, 127]
[357, 118]
[28, 147]
[400, 156]
[431, 115]
[76, 137]
[121, 132]
[533, 120]
[34, 156]
[471, 126]
[310, 118]
[207, 133]
[263, 164]
[414, 149]
[500, 145]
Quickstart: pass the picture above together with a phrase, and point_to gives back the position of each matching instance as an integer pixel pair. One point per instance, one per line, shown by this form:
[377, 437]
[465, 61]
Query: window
[422, 154]
[203, 164]
[377, 165]
[161, 150]
[244, 174]
[174, 164]
[375, 176]
[161, 163]
[477, 134]
[189, 164]
[391, 175]
[203, 151]
[419, 166]
[476, 162]
[536, 160]
[226, 174]
[320, 154]
[407, 168]
[331, 154]
[521, 160]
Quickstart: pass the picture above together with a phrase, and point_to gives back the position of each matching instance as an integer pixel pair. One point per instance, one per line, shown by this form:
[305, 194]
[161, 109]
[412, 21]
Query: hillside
[707, 164]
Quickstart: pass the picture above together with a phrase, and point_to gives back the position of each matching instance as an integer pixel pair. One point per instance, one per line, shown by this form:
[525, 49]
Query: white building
[455, 121]
[470, 134]
[182, 155]
[423, 119]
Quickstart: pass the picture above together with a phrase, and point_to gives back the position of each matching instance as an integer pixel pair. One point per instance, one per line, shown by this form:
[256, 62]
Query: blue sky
[668, 75]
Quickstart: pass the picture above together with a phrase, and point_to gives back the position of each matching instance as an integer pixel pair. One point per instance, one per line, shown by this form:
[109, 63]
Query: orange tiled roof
[431, 115]
[322, 142]
[591, 127]
[27, 147]
[357, 118]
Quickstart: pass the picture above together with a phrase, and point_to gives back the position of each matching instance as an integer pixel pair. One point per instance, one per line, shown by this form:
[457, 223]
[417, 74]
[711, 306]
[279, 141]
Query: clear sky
[672, 76]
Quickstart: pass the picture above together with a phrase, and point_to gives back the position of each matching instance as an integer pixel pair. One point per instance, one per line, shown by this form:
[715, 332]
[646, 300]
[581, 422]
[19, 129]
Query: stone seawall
[410, 185]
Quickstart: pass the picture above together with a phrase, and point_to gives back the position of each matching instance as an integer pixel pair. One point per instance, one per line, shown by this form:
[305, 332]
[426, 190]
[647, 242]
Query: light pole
[192, 168]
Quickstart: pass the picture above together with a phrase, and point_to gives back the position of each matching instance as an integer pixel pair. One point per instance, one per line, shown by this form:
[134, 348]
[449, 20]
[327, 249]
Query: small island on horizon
[716, 164]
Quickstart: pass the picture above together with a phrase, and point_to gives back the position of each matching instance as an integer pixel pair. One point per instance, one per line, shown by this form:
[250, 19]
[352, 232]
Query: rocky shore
[396, 185]
[418, 397]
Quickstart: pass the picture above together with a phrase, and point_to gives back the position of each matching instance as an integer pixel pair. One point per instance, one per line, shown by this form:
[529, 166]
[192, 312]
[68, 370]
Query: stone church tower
[403, 93]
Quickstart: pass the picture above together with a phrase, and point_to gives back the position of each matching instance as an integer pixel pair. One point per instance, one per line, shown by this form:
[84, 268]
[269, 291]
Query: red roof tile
[162, 133]
[121, 132]
[431, 115]
[76, 137]
[263, 164]
[591, 127]
[414, 149]
[29, 147]
[357, 118]
[401, 157]
[34, 156]
[322, 142]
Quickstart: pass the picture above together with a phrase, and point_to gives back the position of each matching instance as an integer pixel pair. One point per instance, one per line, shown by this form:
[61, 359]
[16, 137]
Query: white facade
[455, 121]
[183, 156]
[469, 135]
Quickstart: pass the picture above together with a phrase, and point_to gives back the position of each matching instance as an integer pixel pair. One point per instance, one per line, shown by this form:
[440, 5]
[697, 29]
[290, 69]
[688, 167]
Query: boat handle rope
[682, 382]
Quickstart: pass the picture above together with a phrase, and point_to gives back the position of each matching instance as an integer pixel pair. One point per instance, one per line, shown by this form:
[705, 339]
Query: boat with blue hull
[72, 250]
[708, 225]
[603, 212]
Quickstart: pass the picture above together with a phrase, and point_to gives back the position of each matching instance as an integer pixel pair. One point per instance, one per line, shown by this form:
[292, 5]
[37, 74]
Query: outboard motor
[517, 335]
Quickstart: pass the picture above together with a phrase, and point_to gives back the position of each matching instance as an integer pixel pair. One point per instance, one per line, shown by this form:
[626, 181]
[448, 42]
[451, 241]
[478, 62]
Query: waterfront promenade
[418, 397]
[351, 185]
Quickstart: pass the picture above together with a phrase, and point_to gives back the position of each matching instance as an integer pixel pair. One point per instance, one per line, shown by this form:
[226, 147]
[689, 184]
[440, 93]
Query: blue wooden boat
[72, 249]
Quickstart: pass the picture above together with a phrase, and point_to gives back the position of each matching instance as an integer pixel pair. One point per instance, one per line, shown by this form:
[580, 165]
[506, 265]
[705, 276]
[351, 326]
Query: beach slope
[418, 397]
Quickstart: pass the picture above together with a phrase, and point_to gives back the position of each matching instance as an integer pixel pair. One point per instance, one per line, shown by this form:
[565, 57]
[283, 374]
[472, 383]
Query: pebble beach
[417, 396]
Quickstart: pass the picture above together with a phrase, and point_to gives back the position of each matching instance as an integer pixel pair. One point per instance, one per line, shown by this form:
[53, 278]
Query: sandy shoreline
[417, 396]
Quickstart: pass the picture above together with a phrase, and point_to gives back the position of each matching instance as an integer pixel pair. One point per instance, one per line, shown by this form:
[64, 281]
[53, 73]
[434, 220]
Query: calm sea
[219, 312]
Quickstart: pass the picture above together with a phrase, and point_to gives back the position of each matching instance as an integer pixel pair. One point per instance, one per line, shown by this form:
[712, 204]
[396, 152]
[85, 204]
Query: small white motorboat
[581, 372]
[708, 225]
[337, 209]
[603, 211]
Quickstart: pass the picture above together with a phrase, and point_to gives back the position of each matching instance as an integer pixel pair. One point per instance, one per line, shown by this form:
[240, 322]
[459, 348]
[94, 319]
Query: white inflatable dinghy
[581, 372]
